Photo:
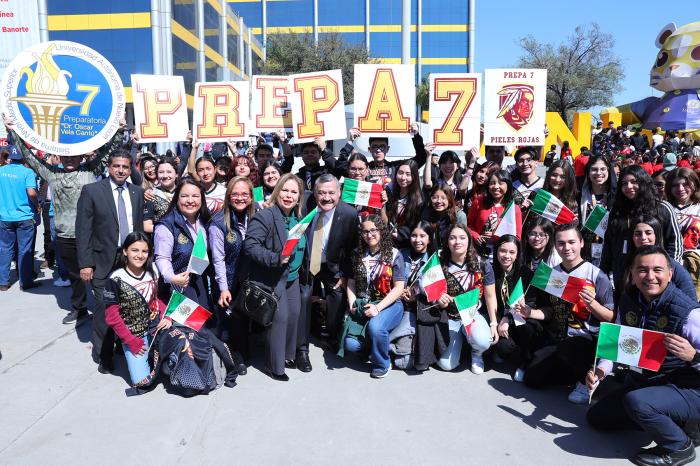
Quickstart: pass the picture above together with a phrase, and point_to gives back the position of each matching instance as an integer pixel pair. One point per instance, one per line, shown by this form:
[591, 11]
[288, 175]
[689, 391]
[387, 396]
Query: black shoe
[239, 363]
[290, 364]
[105, 368]
[303, 362]
[277, 377]
[74, 316]
[659, 456]
[30, 285]
[692, 430]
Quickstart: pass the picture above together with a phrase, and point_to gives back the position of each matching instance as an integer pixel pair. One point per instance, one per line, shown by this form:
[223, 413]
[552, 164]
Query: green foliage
[422, 93]
[296, 53]
[582, 72]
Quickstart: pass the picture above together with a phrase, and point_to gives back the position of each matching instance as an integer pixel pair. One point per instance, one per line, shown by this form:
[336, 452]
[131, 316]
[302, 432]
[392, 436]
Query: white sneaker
[61, 283]
[519, 375]
[477, 364]
[579, 395]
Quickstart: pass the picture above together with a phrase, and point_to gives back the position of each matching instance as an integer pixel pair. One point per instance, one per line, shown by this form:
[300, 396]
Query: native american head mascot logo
[516, 102]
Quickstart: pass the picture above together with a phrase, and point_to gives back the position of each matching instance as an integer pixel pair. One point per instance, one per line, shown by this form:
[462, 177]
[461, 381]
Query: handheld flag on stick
[297, 232]
[507, 223]
[183, 310]
[432, 279]
[551, 208]
[631, 345]
[597, 221]
[362, 193]
[467, 306]
[258, 194]
[199, 260]
[558, 283]
[516, 295]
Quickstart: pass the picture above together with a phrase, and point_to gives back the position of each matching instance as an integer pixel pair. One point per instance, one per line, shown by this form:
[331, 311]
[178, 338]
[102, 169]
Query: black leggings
[564, 363]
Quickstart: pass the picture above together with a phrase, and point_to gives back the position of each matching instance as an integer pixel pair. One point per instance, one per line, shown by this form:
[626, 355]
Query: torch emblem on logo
[47, 87]
[515, 103]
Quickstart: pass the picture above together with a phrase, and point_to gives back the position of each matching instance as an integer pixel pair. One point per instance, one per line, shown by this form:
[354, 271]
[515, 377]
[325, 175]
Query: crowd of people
[126, 221]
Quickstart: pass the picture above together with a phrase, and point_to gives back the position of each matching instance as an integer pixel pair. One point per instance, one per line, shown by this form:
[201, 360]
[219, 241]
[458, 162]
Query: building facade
[439, 28]
[201, 40]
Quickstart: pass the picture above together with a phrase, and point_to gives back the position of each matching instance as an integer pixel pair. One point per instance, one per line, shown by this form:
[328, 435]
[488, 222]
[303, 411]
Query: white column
[406, 32]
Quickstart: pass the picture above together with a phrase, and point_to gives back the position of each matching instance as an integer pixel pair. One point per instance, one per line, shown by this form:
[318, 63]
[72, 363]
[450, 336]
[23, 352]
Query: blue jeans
[138, 365]
[21, 235]
[60, 268]
[479, 338]
[378, 330]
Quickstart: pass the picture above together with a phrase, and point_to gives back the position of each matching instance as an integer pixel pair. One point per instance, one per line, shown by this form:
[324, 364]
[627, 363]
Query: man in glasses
[526, 182]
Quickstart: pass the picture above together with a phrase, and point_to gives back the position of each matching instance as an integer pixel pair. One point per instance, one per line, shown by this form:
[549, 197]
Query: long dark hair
[645, 203]
[264, 166]
[472, 259]
[611, 183]
[142, 163]
[385, 243]
[689, 175]
[498, 271]
[429, 230]
[547, 227]
[204, 215]
[568, 192]
[655, 225]
[503, 177]
[131, 238]
[412, 209]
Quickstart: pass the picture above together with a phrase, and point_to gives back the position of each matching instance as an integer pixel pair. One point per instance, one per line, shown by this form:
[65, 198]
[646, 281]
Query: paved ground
[57, 409]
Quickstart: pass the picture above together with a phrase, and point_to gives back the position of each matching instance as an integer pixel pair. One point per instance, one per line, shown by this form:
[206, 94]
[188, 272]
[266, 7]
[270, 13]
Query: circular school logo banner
[64, 97]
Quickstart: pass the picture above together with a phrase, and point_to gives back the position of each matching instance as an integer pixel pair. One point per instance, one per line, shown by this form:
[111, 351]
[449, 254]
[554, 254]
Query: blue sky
[634, 26]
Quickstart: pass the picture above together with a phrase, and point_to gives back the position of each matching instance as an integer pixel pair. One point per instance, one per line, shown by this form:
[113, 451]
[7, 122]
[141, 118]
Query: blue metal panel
[445, 12]
[445, 44]
[232, 41]
[83, 7]
[290, 13]
[427, 69]
[129, 52]
[352, 38]
[185, 63]
[185, 14]
[347, 12]
[385, 44]
[212, 24]
[251, 12]
[385, 12]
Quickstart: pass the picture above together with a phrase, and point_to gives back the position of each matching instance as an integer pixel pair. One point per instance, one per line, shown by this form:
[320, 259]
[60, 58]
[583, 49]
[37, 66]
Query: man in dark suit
[108, 211]
[331, 238]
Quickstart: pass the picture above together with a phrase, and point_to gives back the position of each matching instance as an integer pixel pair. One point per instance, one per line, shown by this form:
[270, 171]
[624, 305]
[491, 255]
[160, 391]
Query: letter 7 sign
[160, 108]
[385, 99]
[318, 108]
[270, 103]
[221, 111]
[455, 108]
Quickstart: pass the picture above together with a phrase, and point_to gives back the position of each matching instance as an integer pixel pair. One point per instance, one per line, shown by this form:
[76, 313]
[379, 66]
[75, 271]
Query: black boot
[659, 456]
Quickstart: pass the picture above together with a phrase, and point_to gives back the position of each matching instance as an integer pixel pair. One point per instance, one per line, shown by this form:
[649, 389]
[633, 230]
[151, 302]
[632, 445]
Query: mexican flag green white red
[597, 221]
[362, 193]
[183, 310]
[632, 346]
[516, 295]
[432, 279]
[507, 224]
[258, 194]
[558, 283]
[467, 305]
[552, 208]
[199, 260]
[297, 232]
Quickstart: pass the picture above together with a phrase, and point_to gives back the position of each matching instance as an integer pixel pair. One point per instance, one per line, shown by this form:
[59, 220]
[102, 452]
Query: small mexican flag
[297, 232]
[199, 260]
[467, 306]
[552, 208]
[516, 295]
[183, 310]
[432, 279]
[362, 193]
[597, 221]
[558, 283]
[507, 224]
[258, 195]
[632, 346]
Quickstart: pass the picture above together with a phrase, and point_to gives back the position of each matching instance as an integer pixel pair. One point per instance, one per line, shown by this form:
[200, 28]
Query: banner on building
[455, 110]
[515, 104]
[221, 111]
[270, 107]
[160, 108]
[385, 99]
[318, 108]
[64, 97]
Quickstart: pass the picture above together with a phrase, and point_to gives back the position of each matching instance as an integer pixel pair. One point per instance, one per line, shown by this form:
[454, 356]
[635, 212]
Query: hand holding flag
[297, 232]
[432, 279]
[199, 260]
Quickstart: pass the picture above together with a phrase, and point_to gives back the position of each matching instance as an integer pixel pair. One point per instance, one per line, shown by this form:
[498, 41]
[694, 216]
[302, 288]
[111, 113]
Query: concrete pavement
[57, 409]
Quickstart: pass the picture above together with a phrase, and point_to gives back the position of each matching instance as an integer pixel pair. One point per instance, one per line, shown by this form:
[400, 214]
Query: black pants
[659, 410]
[564, 363]
[49, 253]
[69, 253]
[102, 334]
[335, 308]
[521, 342]
[281, 336]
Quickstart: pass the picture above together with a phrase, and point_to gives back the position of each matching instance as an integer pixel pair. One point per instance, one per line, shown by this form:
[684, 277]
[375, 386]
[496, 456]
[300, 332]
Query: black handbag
[257, 302]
